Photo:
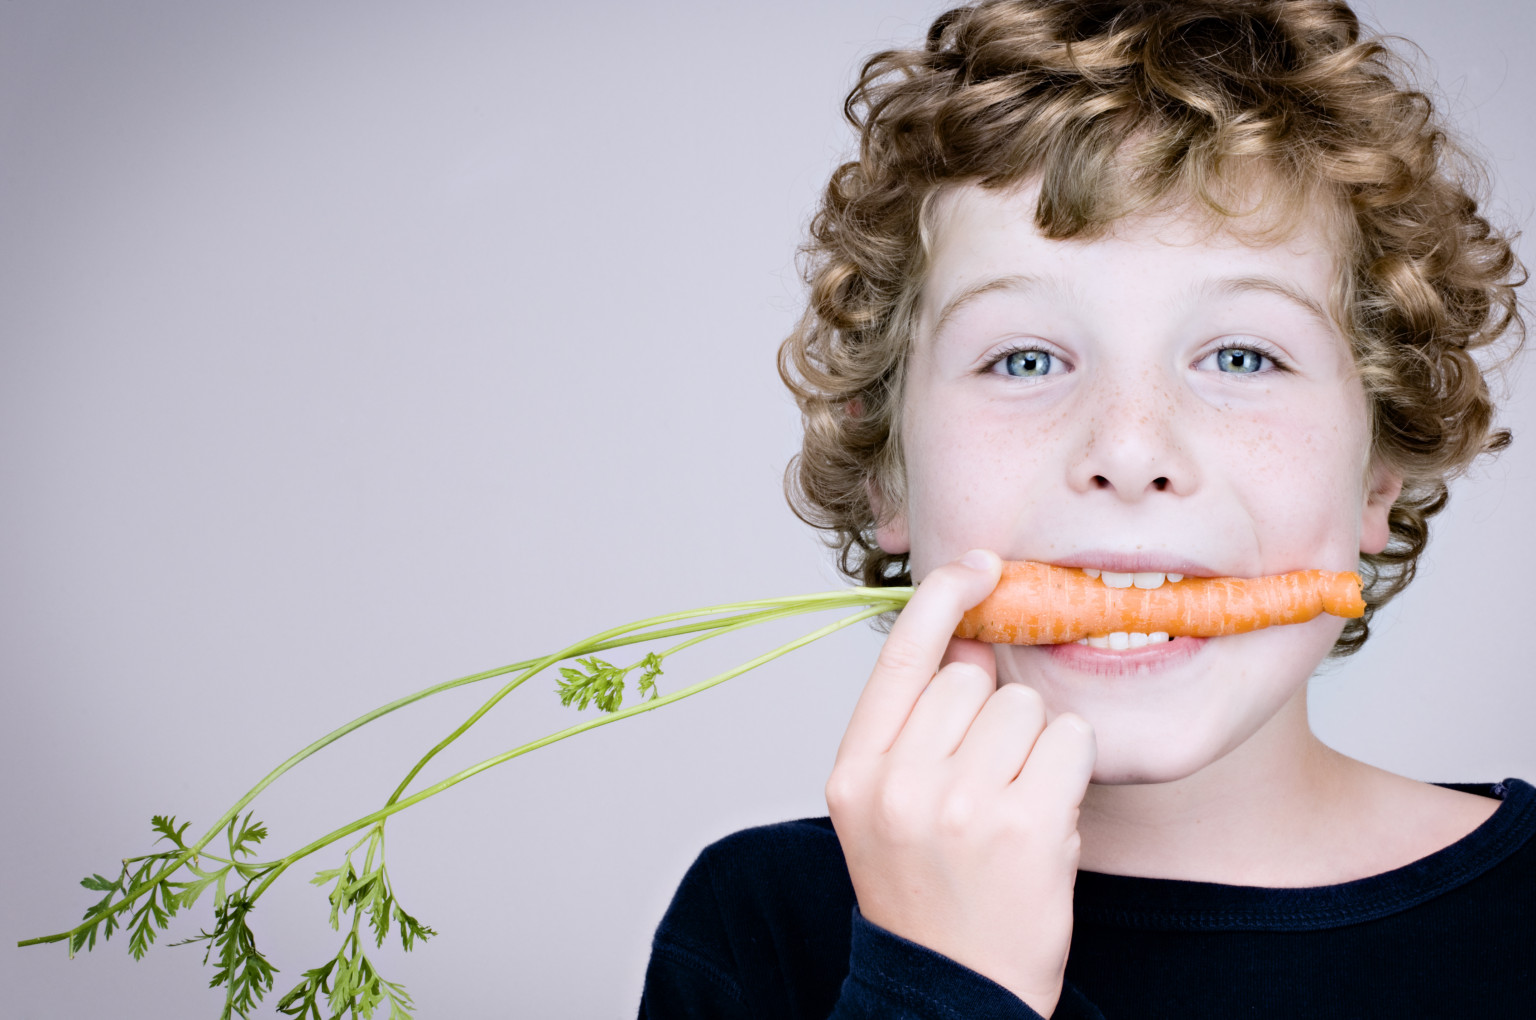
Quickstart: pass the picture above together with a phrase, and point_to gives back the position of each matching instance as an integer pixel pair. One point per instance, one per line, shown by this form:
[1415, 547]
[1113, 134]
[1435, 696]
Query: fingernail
[978, 559]
[1078, 723]
[975, 670]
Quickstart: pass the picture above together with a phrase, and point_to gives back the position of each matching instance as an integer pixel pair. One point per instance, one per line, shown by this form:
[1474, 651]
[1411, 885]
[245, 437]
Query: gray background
[350, 347]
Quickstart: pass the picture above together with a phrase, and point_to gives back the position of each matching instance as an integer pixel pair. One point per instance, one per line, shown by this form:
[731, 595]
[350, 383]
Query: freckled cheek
[968, 480]
[1302, 482]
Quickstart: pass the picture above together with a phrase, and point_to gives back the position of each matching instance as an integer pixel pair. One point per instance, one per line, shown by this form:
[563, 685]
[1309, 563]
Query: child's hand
[956, 805]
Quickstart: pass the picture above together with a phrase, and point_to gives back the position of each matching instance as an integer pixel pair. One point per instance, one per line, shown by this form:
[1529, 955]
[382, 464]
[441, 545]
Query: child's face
[1165, 399]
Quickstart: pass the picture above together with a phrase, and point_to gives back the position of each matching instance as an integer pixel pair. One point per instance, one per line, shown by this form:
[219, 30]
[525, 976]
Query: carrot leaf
[166, 826]
[249, 836]
[350, 983]
[241, 969]
[602, 683]
[411, 929]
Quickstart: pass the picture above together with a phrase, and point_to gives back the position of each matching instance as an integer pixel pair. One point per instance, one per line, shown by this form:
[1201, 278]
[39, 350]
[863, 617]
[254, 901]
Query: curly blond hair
[1118, 106]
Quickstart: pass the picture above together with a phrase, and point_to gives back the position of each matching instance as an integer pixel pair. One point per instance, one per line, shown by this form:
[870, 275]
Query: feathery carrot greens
[151, 889]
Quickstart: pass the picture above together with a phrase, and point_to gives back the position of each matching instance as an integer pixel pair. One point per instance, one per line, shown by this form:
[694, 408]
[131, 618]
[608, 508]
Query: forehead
[982, 240]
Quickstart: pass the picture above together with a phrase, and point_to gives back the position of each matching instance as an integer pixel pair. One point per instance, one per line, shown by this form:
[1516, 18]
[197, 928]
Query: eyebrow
[1024, 283]
[1018, 283]
[1270, 285]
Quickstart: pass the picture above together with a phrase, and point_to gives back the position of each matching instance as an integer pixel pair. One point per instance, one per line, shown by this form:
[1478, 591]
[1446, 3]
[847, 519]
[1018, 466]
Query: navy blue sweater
[765, 925]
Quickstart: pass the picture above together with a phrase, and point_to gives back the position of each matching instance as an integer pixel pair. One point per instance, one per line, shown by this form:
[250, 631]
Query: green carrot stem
[726, 626]
[570, 731]
[767, 609]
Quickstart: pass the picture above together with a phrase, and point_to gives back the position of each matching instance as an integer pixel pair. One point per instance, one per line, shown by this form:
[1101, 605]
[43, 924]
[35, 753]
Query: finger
[978, 653]
[944, 712]
[1055, 776]
[1003, 735]
[914, 648]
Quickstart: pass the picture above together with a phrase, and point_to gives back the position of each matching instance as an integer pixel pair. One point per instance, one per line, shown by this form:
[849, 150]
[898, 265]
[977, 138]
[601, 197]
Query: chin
[1132, 752]
[1145, 770]
[1138, 774]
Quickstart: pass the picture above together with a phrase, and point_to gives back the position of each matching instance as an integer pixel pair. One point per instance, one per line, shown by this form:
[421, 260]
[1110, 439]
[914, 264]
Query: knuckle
[957, 815]
[843, 790]
[898, 656]
[943, 584]
[896, 807]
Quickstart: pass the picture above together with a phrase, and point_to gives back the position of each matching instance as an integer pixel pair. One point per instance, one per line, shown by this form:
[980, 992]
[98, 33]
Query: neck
[1260, 815]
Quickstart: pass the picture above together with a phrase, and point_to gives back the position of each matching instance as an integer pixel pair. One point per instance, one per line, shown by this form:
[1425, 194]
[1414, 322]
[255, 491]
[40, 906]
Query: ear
[1383, 486]
[890, 532]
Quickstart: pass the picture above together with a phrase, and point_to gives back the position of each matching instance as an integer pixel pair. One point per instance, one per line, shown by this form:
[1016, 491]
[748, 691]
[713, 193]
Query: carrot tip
[1343, 597]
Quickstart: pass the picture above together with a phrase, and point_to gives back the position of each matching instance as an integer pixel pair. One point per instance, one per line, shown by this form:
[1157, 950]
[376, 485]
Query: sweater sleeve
[889, 976]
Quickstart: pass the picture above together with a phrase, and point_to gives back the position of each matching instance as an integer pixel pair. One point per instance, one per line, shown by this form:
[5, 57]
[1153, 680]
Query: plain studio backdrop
[349, 347]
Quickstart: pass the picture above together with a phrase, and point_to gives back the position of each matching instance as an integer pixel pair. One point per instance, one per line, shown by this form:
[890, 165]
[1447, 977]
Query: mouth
[1036, 603]
[1147, 580]
[1135, 570]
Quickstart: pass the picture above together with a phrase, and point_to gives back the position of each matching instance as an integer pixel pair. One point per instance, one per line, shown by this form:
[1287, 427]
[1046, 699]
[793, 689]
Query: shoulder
[1409, 821]
[1380, 822]
[803, 838]
[1505, 835]
[1460, 819]
[1478, 860]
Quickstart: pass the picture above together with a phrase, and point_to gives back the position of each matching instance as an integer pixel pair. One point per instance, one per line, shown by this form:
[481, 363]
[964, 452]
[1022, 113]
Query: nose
[1131, 442]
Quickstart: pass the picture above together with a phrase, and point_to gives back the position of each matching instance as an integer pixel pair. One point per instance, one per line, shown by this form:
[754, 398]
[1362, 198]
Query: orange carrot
[1036, 604]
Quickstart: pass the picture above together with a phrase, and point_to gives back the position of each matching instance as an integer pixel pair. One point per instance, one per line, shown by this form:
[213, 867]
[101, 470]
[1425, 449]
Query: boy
[1148, 289]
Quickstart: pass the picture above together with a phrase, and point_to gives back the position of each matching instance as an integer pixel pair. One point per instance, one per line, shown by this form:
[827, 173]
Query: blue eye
[1027, 364]
[1239, 360]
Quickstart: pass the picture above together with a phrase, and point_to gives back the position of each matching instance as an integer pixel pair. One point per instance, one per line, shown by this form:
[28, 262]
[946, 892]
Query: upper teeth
[1141, 579]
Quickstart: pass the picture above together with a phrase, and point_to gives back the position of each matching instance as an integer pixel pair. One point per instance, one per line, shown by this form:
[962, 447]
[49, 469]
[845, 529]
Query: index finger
[914, 649]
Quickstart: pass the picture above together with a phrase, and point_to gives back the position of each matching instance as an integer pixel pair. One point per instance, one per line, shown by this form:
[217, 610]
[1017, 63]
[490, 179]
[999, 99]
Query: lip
[1136, 562]
[1109, 662]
